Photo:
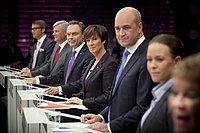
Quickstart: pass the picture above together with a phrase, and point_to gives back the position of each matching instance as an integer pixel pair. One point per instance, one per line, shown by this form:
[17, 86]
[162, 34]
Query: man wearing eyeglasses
[43, 47]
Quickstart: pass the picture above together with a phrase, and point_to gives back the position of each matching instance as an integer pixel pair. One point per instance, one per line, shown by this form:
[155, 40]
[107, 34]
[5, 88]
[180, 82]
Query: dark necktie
[56, 54]
[71, 62]
[124, 58]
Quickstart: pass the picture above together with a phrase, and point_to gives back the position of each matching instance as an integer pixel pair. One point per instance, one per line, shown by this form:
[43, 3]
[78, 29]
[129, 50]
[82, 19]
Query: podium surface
[40, 123]
[4, 76]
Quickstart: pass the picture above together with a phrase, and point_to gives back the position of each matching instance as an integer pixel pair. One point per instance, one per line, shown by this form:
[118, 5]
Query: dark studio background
[180, 18]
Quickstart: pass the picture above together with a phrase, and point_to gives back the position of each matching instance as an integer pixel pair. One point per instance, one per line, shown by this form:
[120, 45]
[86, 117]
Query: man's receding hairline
[131, 9]
[134, 12]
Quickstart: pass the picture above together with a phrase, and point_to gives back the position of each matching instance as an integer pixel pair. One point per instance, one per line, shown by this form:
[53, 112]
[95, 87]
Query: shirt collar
[133, 48]
[160, 89]
[78, 49]
[41, 40]
[63, 44]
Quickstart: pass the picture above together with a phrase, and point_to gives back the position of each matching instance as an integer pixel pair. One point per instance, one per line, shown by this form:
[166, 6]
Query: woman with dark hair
[163, 54]
[184, 97]
[97, 80]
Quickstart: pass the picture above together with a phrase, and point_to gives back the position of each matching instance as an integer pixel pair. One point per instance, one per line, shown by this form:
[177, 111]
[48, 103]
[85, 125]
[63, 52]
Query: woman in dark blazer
[163, 54]
[97, 80]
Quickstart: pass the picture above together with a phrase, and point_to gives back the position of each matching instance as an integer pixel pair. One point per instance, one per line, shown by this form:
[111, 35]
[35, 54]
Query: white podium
[2, 68]
[12, 87]
[19, 97]
[46, 121]
[16, 101]
[24, 99]
[32, 120]
[4, 76]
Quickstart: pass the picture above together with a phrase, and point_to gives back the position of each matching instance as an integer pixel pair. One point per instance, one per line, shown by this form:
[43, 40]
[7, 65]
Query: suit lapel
[41, 47]
[130, 64]
[86, 72]
[82, 51]
[44, 42]
[154, 111]
[98, 66]
[79, 56]
[67, 60]
[59, 56]
[95, 70]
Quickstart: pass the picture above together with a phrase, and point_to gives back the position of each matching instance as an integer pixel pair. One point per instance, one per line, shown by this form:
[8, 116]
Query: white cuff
[60, 90]
[109, 128]
[103, 121]
[37, 80]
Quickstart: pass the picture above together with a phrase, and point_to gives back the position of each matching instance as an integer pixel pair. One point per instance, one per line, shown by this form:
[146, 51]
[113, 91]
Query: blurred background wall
[180, 18]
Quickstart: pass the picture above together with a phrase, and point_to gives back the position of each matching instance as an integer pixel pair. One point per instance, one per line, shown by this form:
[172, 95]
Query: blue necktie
[124, 58]
[71, 62]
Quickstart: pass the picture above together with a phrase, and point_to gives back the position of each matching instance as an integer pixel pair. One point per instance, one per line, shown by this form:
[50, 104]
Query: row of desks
[23, 113]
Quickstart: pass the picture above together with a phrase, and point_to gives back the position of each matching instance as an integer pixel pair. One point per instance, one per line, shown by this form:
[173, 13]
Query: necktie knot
[73, 55]
[126, 53]
[58, 49]
[73, 52]
[38, 44]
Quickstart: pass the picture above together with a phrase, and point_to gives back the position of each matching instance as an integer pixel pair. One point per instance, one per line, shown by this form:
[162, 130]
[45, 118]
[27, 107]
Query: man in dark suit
[57, 60]
[131, 90]
[42, 49]
[82, 58]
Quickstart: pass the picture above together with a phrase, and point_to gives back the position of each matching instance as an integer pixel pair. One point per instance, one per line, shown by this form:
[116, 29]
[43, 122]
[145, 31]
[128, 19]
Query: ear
[177, 60]
[140, 27]
[43, 30]
[83, 37]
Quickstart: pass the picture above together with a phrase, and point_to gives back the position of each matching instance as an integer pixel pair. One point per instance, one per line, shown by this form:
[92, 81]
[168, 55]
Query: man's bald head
[129, 12]
[128, 26]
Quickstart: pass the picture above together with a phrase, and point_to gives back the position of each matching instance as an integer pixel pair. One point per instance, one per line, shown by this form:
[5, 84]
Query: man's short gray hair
[62, 23]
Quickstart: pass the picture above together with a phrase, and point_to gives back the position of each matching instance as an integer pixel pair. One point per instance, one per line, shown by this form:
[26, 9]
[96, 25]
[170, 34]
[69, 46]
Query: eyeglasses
[35, 28]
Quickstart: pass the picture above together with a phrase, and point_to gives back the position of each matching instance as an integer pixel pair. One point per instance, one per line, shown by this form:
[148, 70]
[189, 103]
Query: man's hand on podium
[30, 80]
[52, 90]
